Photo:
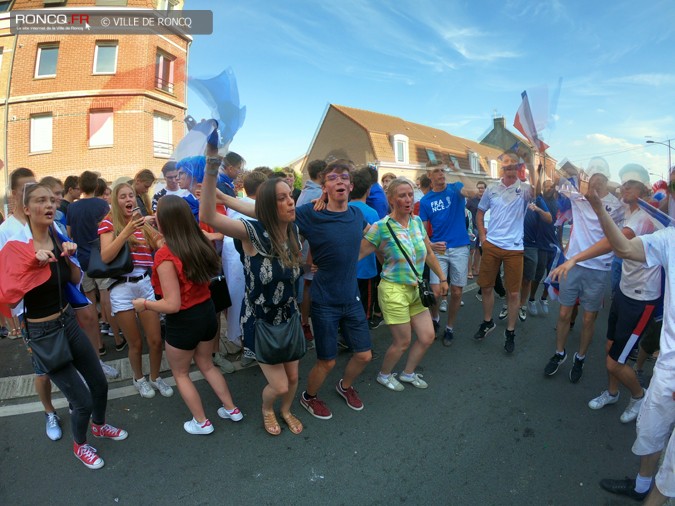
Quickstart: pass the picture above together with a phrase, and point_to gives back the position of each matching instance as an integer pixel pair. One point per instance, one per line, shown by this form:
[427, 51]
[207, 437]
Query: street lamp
[667, 143]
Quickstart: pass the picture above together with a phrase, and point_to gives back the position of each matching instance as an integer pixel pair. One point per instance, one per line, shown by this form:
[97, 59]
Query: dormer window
[400, 145]
[475, 163]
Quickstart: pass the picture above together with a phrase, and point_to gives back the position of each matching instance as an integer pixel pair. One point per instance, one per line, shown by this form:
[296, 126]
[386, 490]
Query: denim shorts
[350, 318]
[122, 294]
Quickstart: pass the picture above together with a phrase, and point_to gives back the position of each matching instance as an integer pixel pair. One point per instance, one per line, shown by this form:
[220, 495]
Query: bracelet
[145, 304]
[213, 159]
[444, 281]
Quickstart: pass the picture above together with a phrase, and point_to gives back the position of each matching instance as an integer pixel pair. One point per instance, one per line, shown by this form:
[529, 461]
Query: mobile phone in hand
[136, 213]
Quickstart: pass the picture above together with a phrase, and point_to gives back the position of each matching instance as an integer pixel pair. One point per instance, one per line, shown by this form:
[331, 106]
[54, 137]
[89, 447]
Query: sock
[384, 376]
[436, 318]
[530, 299]
[308, 397]
[561, 354]
[579, 357]
[488, 321]
[213, 355]
[406, 375]
[642, 484]
[341, 387]
[509, 331]
[448, 328]
[229, 412]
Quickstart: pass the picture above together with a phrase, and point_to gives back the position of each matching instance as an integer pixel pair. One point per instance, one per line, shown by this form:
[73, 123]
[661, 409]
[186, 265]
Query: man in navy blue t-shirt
[334, 237]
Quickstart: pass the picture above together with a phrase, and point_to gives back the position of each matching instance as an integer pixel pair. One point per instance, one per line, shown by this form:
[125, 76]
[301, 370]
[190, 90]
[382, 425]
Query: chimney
[499, 123]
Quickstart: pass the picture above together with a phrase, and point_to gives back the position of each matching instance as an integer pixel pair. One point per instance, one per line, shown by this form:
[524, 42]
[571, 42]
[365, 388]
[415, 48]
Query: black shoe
[554, 363]
[121, 347]
[375, 321]
[436, 327]
[509, 344]
[623, 487]
[102, 351]
[577, 370]
[448, 337]
[484, 329]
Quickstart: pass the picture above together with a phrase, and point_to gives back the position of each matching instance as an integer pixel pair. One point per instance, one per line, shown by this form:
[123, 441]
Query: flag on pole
[524, 122]
[660, 218]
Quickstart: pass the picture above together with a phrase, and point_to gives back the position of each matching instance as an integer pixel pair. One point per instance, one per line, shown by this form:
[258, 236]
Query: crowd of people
[330, 263]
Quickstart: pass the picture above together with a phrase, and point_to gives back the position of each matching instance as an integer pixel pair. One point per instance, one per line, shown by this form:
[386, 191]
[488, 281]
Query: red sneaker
[108, 432]
[87, 455]
[316, 407]
[350, 396]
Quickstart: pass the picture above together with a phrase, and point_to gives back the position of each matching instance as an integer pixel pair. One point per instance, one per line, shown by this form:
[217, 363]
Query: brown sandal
[294, 425]
[271, 424]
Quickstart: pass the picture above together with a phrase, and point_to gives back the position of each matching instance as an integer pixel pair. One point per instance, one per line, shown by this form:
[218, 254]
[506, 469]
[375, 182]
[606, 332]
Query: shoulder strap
[391, 230]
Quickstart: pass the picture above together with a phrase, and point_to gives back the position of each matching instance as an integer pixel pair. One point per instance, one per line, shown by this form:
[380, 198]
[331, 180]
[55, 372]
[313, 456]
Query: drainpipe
[5, 155]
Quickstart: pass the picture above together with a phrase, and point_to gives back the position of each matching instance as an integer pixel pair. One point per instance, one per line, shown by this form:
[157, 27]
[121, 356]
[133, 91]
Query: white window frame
[162, 59]
[105, 43]
[400, 140]
[105, 136]
[167, 5]
[39, 56]
[162, 135]
[41, 133]
[493, 169]
[474, 161]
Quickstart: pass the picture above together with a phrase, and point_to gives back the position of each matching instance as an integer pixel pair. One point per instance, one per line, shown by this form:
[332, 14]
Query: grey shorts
[530, 260]
[455, 266]
[587, 285]
[90, 284]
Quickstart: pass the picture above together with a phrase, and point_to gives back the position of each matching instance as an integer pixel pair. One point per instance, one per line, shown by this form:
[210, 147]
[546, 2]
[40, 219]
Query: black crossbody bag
[426, 294]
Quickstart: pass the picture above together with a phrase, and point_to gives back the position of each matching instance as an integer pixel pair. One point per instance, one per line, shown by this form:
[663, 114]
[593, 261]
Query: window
[55, 3]
[167, 5]
[6, 6]
[493, 168]
[2, 51]
[400, 148]
[105, 57]
[432, 156]
[474, 160]
[162, 126]
[41, 133]
[100, 128]
[164, 72]
[455, 163]
[45, 66]
[114, 3]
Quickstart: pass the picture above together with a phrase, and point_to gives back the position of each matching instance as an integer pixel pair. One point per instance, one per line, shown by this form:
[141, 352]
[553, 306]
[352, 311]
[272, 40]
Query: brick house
[399, 146]
[109, 103]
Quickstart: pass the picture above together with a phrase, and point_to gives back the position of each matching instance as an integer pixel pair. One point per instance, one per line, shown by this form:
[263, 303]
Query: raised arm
[207, 205]
[631, 249]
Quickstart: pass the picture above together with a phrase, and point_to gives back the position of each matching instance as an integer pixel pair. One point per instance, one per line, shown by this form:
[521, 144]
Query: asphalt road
[489, 430]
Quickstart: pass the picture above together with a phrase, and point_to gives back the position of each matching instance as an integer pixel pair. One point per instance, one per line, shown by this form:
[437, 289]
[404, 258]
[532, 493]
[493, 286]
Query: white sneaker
[532, 307]
[144, 388]
[163, 388]
[503, 313]
[109, 371]
[544, 305]
[235, 415]
[522, 313]
[632, 409]
[444, 306]
[603, 400]
[53, 426]
[390, 382]
[195, 427]
[414, 379]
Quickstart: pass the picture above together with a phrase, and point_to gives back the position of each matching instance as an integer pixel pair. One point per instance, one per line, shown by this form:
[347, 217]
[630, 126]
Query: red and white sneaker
[87, 455]
[108, 432]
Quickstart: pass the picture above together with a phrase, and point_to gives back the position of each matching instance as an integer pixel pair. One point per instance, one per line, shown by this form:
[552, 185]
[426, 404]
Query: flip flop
[469, 276]
[294, 425]
[271, 424]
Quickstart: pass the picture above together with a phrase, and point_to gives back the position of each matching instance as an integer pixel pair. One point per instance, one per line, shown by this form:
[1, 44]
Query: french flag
[553, 287]
[660, 219]
[22, 273]
[524, 122]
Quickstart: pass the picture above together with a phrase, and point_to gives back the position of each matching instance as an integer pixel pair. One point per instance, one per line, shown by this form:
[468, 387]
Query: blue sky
[450, 65]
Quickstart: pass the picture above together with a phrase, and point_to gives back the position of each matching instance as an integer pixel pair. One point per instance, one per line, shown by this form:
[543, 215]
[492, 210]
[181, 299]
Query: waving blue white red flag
[22, 272]
[525, 124]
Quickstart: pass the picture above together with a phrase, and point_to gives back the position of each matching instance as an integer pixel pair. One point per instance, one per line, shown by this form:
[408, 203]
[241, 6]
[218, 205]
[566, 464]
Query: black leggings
[88, 397]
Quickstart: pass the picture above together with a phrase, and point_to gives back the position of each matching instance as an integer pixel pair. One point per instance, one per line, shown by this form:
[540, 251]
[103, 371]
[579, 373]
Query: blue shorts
[326, 318]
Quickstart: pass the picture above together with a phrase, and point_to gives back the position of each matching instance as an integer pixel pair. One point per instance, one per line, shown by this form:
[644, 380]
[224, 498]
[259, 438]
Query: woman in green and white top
[398, 291]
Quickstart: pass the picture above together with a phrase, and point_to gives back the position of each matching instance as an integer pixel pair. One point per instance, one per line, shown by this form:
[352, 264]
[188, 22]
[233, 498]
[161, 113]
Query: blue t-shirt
[531, 224]
[83, 218]
[445, 211]
[367, 266]
[334, 239]
[547, 232]
[378, 200]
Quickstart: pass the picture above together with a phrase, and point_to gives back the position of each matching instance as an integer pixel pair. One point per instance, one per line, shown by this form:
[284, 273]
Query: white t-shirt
[9, 228]
[507, 205]
[671, 207]
[659, 252]
[638, 281]
[587, 231]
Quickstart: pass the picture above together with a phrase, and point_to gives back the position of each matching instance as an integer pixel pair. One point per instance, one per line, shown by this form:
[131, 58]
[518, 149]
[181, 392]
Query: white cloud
[645, 80]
